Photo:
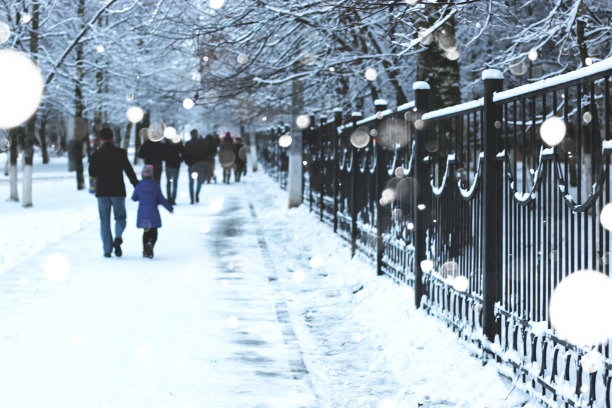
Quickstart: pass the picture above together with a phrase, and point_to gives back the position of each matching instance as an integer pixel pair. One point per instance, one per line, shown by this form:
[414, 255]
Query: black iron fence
[471, 208]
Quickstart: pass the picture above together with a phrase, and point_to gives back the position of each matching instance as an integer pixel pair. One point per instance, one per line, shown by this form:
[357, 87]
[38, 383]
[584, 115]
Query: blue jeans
[171, 185]
[104, 209]
[198, 170]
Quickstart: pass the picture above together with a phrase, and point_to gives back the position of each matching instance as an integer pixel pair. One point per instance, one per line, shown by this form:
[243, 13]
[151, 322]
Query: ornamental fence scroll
[469, 196]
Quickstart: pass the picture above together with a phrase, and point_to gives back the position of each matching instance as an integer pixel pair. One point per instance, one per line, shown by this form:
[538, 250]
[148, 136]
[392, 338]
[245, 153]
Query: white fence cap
[492, 74]
[420, 85]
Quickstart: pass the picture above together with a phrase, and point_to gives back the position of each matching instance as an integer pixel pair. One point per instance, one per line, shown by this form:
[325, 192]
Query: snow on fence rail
[472, 209]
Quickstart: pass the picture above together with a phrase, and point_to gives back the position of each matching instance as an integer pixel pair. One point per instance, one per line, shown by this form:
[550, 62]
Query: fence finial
[492, 74]
[420, 85]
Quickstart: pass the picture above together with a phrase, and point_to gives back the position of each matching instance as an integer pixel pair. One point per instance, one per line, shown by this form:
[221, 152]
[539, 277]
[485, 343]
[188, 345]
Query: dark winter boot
[148, 250]
[117, 246]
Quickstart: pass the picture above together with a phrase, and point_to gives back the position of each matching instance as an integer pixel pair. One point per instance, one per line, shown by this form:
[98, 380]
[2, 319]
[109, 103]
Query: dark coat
[149, 195]
[107, 164]
[212, 144]
[173, 154]
[194, 151]
[227, 142]
[239, 156]
[152, 152]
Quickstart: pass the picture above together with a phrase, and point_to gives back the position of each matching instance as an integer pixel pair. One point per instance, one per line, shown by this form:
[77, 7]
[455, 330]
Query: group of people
[199, 154]
[108, 164]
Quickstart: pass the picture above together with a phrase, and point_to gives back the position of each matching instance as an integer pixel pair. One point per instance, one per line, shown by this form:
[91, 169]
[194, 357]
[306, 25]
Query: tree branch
[77, 40]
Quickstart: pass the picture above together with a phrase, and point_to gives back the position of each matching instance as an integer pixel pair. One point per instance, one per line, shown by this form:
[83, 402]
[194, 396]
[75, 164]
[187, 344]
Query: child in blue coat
[149, 195]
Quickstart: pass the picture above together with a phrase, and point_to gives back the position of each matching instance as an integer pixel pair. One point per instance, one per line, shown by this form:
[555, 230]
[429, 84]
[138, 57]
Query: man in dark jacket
[212, 144]
[240, 158]
[107, 165]
[153, 154]
[173, 155]
[194, 153]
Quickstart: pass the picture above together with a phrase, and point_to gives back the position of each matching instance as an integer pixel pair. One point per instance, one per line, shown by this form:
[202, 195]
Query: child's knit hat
[147, 171]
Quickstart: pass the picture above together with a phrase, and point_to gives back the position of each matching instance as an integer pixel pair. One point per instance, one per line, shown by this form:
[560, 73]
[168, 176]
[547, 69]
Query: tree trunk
[14, 138]
[31, 124]
[294, 184]
[79, 139]
[42, 134]
[28, 161]
[127, 136]
[144, 123]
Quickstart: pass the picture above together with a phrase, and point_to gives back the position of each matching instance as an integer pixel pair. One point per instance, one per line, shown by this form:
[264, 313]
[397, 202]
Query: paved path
[201, 325]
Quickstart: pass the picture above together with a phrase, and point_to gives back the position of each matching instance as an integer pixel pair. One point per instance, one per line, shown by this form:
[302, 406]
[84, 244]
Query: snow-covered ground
[246, 304]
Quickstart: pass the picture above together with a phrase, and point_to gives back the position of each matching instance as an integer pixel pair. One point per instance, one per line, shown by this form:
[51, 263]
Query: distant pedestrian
[194, 153]
[173, 155]
[153, 154]
[148, 194]
[212, 144]
[107, 165]
[240, 158]
[226, 156]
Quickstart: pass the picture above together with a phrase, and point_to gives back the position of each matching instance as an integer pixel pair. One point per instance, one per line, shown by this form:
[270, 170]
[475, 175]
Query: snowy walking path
[246, 304]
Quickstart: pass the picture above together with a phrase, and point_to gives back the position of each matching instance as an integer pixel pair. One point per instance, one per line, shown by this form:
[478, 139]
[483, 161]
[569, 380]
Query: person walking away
[240, 158]
[153, 154]
[226, 156]
[194, 153]
[107, 165]
[212, 144]
[173, 155]
[148, 194]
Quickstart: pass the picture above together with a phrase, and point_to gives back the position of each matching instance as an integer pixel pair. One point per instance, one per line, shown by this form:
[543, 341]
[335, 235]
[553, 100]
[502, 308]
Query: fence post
[355, 116]
[492, 179]
[421, 170]
[380, 106]
[310, 158]
[322, 121]
[336, 171]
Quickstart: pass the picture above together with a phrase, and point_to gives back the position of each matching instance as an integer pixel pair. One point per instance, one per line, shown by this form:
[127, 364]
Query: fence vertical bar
[421, 101]
[321, 159]
[380, 106]
[355, 116]
[492, 212]
[336, 171]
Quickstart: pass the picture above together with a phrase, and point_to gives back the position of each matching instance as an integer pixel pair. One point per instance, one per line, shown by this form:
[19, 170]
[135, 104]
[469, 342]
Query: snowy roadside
[52, 217]
[363, 341]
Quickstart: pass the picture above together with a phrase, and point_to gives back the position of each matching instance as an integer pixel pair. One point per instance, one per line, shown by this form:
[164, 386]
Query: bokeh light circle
[242, 59]
[580, 308]
[605, 217]
[427, 265]
[553, 131]
[592, 361]
[134, 114]
[21, 88]
[371, 74]
[170, 133]
[461, 283]
[302, 121]
[360, 137]
[285, 141]
[156, 131]
[188, 103]
[57, 267]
